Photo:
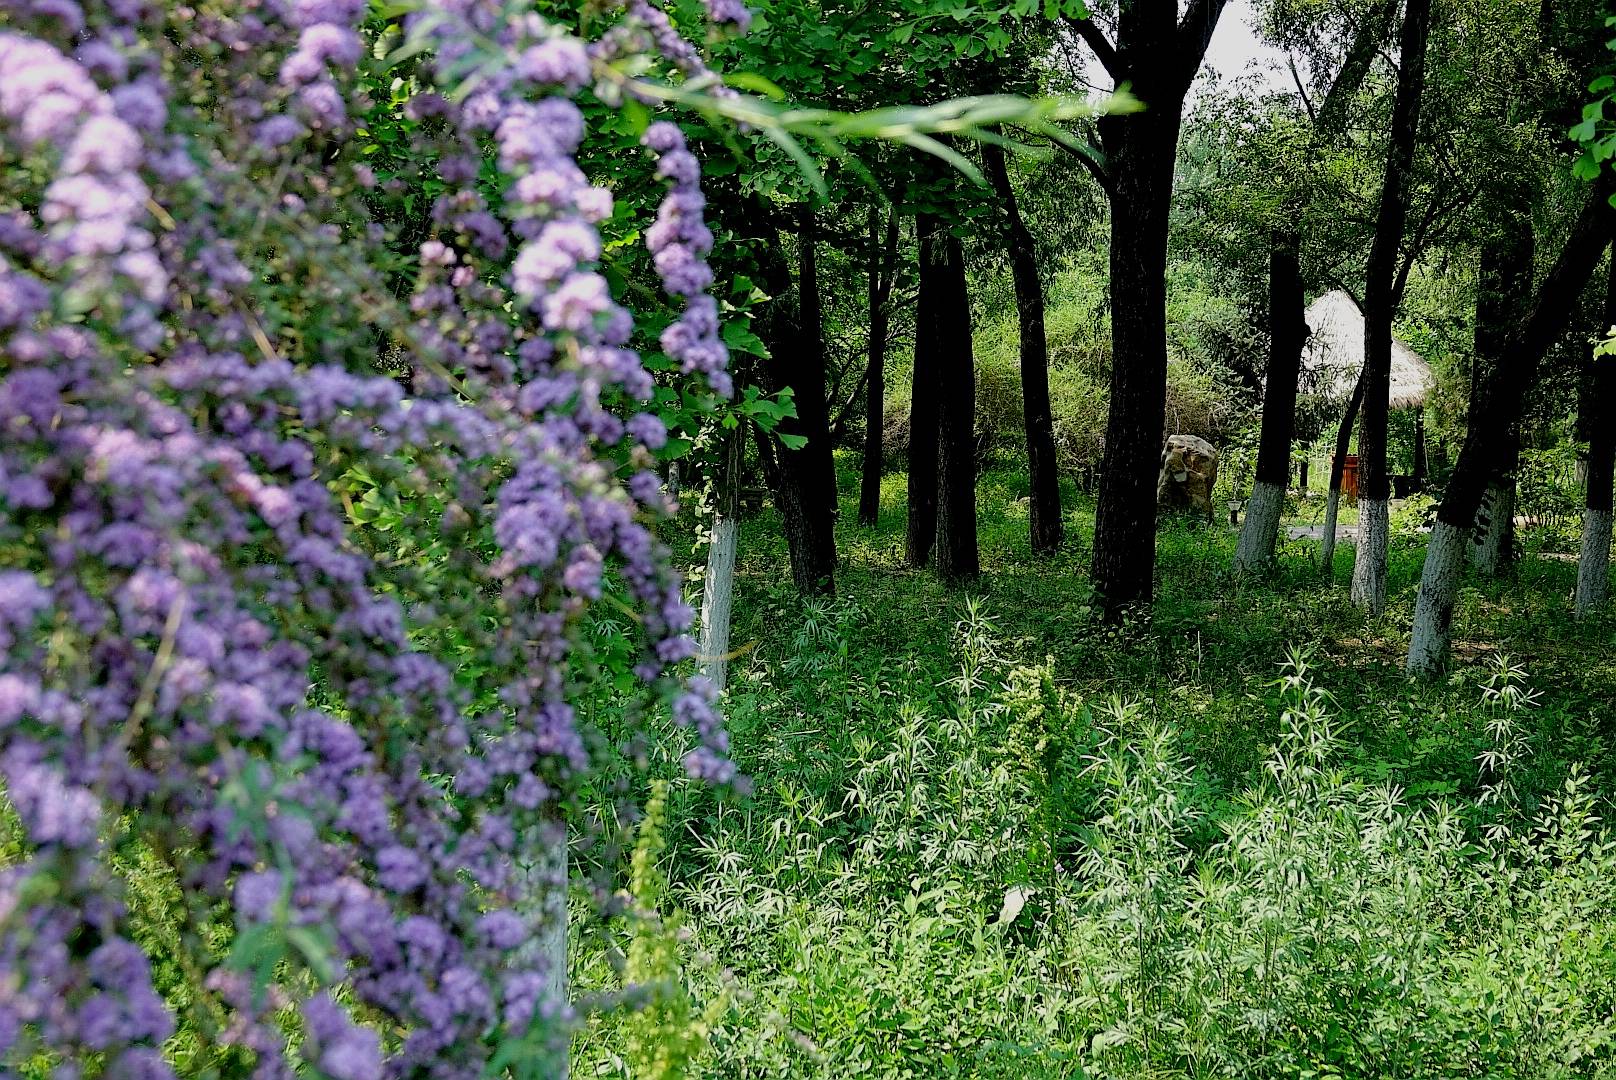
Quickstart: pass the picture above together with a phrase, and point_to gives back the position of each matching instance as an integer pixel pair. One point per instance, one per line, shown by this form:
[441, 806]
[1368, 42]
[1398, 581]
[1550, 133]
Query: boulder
[1189, 471]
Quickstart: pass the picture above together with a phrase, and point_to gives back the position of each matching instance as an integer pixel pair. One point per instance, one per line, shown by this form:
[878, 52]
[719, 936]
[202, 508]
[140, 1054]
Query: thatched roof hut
[1334, 354]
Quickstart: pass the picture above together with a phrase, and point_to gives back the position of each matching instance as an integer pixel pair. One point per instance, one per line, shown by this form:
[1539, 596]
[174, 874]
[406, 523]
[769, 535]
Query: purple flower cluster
[679, 243]
[203, 647]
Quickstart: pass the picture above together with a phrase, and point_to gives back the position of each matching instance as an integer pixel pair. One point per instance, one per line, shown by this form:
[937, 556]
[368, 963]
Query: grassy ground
[990, 837]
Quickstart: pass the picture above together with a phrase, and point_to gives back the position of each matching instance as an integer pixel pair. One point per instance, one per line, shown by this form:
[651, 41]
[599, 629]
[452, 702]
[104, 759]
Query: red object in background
[1349, 479]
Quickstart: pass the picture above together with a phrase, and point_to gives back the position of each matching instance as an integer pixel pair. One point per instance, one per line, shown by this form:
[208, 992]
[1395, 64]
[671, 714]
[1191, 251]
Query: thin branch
[1307, 102]
[1092, 158]
[1099, 44]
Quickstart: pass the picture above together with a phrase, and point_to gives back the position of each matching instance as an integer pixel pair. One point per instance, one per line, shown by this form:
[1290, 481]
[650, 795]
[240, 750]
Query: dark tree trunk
[924, 402]
[1287, 334]
[1045, 502]
[1380, 307]
[1141, 156]
[806, 478]
[956, 558]
[1503, 296]
[1593, 564]
[883, 264]
[1601, 422]
[1500, 406]
[1157, 55]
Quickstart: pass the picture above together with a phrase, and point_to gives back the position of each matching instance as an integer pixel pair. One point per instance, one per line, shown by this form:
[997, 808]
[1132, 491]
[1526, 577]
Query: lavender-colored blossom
[188, 470]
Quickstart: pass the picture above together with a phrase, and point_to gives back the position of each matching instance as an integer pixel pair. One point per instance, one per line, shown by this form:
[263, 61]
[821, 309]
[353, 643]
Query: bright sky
[1236, 49]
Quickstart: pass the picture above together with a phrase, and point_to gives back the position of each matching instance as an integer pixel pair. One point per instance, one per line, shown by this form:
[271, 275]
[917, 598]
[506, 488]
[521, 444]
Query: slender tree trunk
[807, 476]
[1125, 517]
[882, 265]
[718, 587]
[924, 402]
[1593, 566]
[1045, 501]
[1287, 334]
[1338, 467]
[1380, 307]
[541, 898]
[1433, 612]
[1503, 295]
[957, 558]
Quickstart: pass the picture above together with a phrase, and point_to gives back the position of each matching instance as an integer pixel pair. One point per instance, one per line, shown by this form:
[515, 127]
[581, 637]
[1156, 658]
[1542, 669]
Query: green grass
[1220, 874]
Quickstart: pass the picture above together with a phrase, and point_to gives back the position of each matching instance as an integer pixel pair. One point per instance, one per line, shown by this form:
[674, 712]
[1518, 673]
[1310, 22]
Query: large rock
[1189, 471]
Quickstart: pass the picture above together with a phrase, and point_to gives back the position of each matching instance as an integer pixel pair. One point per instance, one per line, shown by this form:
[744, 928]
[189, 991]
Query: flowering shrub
[218, 321]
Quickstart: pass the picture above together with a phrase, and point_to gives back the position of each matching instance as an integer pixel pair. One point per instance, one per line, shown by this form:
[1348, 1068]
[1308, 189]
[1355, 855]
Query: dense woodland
[902, 539]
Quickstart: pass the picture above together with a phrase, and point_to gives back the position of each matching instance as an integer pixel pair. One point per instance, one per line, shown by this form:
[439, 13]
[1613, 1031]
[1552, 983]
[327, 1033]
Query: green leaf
[758, 84]
[740, 338]
[793, 442]
[1584, 132]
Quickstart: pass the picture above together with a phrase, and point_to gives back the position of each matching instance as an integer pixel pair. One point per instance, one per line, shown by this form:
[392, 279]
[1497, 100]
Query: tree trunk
[924, 395]
[882, 267]
[1500, 406]
[1380, 307]
[806, 491]
[1287, 334]
[541, 899]
[1156, 55]
[718, 587]
[1503, 294]
[1338, 464]
[1593, 567]
[957, 559]
[1044, 500]
[1125, 517]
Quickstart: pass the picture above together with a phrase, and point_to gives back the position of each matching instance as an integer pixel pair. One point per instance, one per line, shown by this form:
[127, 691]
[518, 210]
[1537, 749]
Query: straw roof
[1334, 354]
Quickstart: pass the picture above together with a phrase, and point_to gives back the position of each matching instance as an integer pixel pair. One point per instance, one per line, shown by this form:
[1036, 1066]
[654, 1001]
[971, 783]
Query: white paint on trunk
[1439, 589]
[1369, 559]
[1332, 512]
[717, 591]
[1593, 566]
[1261, 531]
[1487, 553]
[541, 899]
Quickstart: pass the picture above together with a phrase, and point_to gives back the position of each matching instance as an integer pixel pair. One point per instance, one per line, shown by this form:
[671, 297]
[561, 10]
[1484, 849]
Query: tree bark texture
[1380, 307]
[1157, 55]
[1338, 465]
[883, 264]
[1044, 500]
[1503, 295]
[808, 475]
[1500, 406]
[1593, 566]
[718, 587]
[924, 402]
[1287, 334]
[956, 560]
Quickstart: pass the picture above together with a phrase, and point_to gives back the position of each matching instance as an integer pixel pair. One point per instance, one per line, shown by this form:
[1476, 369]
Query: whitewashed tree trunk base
[1260, 533]
[541, 899]
[1369, 561]
[718, 590]
[1487, 554]
[1593, 566]
[1332, 514]
[1439, 589]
